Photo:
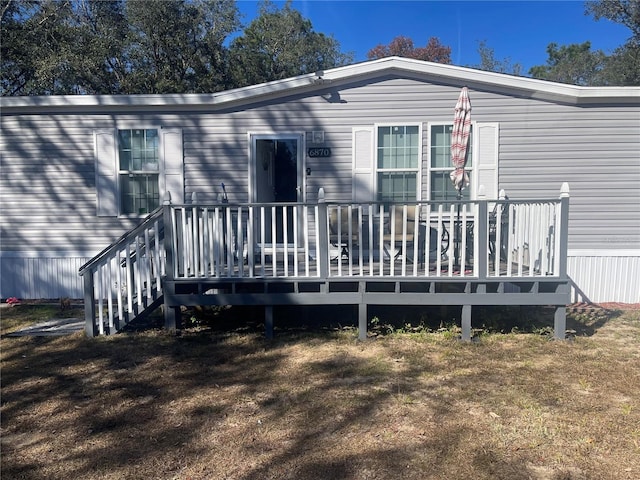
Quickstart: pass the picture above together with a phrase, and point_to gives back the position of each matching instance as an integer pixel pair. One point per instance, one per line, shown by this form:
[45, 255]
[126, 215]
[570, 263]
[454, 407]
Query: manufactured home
[259, 181]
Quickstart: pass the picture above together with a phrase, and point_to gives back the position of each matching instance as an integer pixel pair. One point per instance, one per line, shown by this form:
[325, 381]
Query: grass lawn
[225, 404]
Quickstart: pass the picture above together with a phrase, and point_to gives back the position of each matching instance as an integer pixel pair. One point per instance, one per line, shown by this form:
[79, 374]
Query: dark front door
[277, 179]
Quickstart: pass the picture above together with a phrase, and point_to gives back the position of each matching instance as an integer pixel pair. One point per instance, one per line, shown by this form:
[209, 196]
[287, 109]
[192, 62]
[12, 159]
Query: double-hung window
[398, 156]
[138, 174]
[441, 186]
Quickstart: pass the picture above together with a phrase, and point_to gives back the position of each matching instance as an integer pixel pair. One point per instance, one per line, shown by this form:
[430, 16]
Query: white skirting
[599, 276]
[596, 276]
[28, 275]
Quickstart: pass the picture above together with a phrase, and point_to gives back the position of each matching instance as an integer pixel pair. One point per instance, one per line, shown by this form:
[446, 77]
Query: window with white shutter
[135, 167]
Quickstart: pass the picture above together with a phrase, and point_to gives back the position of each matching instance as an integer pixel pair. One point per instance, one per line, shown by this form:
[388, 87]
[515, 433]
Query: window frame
[418, 170]
[119, 171]
[471, 170]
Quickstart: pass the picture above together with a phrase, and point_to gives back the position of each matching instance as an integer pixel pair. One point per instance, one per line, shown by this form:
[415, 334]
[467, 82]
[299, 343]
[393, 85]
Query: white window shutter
[106, 172]
[363, 157]
[172, 173]
[486, 135]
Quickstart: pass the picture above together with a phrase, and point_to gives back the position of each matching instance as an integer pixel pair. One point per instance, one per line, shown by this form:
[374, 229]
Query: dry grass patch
[213, 405]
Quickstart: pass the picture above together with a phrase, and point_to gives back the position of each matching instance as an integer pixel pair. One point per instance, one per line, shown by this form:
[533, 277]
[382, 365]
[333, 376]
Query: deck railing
[480, 239]
[470, 240]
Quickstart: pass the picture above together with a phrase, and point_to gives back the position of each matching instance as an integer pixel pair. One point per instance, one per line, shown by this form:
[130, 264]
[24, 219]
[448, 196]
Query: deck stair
[123, 283]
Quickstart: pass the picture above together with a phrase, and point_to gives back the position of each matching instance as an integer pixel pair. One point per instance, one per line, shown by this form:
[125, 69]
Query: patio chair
[396, 240]
[339, 237]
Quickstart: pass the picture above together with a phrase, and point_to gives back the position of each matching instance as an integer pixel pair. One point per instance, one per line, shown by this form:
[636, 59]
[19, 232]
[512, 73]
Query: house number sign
[319, 152]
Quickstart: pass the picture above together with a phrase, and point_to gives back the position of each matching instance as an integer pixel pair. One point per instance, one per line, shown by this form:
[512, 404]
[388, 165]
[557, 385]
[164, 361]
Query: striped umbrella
[460, 140]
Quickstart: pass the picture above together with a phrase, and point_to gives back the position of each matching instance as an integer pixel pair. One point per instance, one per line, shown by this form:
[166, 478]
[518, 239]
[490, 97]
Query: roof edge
[541, 89]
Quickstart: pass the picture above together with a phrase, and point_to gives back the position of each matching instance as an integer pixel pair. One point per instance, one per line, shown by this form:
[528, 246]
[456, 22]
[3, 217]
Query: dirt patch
[224, 404]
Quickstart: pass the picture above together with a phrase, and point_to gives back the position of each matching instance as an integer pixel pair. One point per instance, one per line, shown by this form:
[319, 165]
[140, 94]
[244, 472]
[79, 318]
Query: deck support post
[362, 321]
[268, 322]
[560, 322]
[90, 327]
[560, 316]
[466, 323]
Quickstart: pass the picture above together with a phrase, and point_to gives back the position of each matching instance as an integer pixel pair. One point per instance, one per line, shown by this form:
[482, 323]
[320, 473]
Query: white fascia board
[534, 88]
[630, 252]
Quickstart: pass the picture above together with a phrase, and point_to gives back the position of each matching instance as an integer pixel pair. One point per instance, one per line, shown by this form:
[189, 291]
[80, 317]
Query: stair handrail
[106, 253]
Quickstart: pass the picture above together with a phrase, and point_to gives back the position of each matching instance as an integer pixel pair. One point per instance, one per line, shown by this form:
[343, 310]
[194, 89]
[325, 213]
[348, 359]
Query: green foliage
[624, 12]
[54, 47]
[176, 47]
[575, 64]
[280, 44]
[623, 66]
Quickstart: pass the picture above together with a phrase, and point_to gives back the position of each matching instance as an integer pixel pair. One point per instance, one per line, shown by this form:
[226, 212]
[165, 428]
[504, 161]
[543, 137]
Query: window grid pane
[397, 186]
[441, 147]
[442, 189]
[138, 151]
[398, 161]
[139, 193]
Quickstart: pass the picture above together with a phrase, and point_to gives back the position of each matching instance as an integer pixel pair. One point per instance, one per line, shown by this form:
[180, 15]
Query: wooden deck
[482, 252]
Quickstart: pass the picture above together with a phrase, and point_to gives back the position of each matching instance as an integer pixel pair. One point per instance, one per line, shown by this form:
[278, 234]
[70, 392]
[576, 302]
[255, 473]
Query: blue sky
[519, 30]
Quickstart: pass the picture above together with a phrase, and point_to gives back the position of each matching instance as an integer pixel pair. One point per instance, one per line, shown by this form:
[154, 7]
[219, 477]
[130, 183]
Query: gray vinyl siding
[47, 181]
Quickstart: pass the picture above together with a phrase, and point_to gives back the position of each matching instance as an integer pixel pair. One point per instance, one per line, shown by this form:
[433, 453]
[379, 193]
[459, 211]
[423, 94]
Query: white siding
[48, 175]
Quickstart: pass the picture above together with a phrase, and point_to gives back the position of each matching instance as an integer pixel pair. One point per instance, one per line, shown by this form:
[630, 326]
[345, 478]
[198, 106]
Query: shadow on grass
[132, 403]
[148, 404]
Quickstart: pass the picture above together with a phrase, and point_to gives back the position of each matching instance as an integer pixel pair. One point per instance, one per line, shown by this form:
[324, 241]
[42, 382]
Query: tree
[177, 46]
[101, 66]
[574, 64]
[52, 47]
[489, 62]
[280, 44]
[36, 42]
[625, 12]
[622, 67]
[402, 46]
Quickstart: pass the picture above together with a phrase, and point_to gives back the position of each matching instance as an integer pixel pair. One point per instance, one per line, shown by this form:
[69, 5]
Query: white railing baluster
[416, 238]
[147, 264]
[239, 242]
[427, 239]
[285, 240]
[403, 242]
[250, 242]
[99, 289]
[439, 244]
[360, 240]
[119, 282]
[463, 233]
[201, 243]
[262, 239]
[274, 237]
[109, 292]
[305, 232]
[294, 211]
[318, 245]
[158, 257]
[137, 272]
[129, 280]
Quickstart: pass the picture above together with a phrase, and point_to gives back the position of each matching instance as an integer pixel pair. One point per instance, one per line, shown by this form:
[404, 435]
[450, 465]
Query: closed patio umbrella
[459, 142]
